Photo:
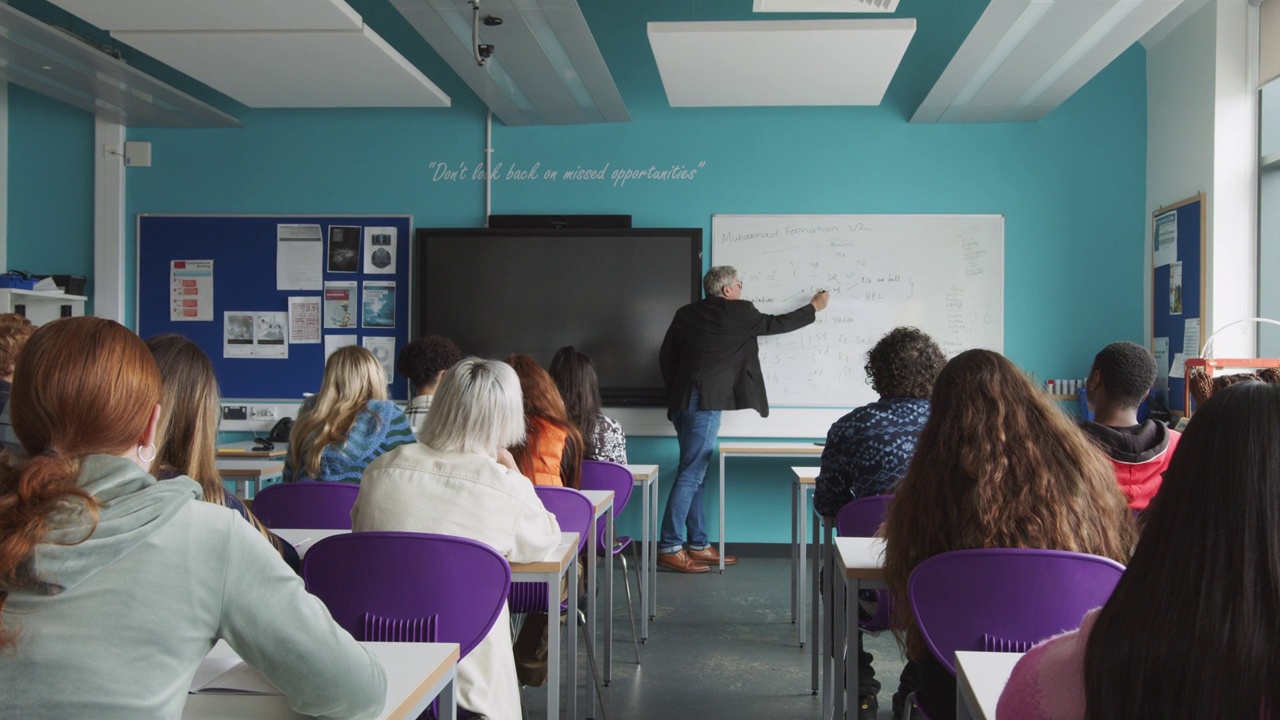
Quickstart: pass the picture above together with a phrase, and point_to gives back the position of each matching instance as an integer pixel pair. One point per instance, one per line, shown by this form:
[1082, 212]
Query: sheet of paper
[1191, 337]
[380, 250]
[237, 334]
[379, 304]
[190, 290]
[1178, 368]
[270, 335]
[1161, 351]
[230, 675]
[333, 342]
[304, 320]
[1165, 242]
[299, 257]
[344, 249]
[383, 348]
[1175, 288]
[340, 309]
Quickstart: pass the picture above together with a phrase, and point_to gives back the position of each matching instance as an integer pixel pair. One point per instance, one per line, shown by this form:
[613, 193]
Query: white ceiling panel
[295, 69]
[825, 6]
[805, 62]
[154, 15]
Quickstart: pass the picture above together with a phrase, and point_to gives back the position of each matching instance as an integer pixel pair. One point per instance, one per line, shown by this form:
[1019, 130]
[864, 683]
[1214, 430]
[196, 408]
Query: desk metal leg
[722, 483]
[653, 551]
[815, 617]
[571, 703]
[828, 622]
[851, 645]
[801, 550]
[838, 636]
[795, 553]
[593, 572]
[645, 538]
[553, 641]
[610, 540]
[449, 697]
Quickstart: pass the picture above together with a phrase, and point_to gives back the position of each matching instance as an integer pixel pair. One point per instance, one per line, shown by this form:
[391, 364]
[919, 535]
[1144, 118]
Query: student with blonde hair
[103, 612]
[188, 430]
[348, 424]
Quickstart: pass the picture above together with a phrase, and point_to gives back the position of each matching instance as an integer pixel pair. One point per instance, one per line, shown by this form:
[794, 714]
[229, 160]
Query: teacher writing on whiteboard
[711, 362]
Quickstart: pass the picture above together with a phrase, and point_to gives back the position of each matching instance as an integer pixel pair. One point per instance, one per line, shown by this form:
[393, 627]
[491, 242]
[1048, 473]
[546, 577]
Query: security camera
[485, 51]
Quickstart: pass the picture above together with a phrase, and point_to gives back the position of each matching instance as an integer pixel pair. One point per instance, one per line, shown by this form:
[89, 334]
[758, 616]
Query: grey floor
[722, 646]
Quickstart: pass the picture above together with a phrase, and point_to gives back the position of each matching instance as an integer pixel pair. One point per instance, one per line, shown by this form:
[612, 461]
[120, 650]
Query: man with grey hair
[711, 362]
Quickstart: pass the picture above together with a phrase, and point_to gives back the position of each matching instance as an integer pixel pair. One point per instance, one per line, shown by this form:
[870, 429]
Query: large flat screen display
[609, 293]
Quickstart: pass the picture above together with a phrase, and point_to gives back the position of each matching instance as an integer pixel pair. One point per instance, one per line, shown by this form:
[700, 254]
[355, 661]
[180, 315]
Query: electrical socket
[263, 412]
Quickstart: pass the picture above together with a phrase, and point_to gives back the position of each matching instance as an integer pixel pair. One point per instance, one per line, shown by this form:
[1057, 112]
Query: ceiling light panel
[825, 6]
[168, 15]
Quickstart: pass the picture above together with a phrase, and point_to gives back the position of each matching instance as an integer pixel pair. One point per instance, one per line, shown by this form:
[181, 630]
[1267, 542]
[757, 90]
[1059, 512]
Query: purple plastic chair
[862, 518]
[1005, 600]
[306, 504]
[574, 513]
[602, 475]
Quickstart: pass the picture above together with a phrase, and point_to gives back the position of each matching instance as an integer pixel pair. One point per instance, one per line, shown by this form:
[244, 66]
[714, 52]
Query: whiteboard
[941, 273]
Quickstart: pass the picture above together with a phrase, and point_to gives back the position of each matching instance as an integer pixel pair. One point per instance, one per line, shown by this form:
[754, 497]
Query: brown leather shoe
[709, 556]
[681, 562]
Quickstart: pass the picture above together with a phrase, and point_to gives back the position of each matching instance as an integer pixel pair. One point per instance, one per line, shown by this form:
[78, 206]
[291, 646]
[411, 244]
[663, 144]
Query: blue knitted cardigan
[379, 428]
[868, 451]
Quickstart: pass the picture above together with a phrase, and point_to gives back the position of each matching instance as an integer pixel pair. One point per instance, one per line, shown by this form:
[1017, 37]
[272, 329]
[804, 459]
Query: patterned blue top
[868, 451]
[380, 428]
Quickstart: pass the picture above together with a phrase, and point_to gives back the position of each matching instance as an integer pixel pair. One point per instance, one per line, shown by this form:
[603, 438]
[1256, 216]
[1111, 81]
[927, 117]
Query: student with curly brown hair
[425, 361]
[868, 450]
[998, 465]
[14, 331]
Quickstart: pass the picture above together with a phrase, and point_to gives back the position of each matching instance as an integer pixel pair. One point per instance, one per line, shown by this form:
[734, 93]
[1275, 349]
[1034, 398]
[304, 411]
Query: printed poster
[380, 250]
[340, 309]
[190, 290]
[344, 249]
[255, 334]
[299, 257]
[1165, 244]
[379, 304]
[1175, 288]
[383, 348]
[333, 342]
[304, 320]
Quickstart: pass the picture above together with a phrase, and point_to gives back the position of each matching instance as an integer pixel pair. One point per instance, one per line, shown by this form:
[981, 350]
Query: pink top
[1048, 682]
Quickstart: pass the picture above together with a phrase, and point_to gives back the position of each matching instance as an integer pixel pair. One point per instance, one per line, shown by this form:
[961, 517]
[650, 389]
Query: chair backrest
[862, 517]
[603, 475]
[397, 585]
[1003, 599]
[574, 513]
[306, 504]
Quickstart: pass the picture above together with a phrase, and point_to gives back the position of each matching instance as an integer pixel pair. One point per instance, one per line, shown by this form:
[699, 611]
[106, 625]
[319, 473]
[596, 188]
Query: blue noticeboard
[1171, 309]
[243, 251]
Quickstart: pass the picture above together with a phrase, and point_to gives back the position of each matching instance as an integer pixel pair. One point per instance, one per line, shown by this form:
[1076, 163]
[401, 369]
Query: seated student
[14, 331]
[551, 453]
[575, 376]
[998, 465]
[425, 361]
[114, 586]
[1121, 377]
[869, 449]
[459, 480]
[1192, 628]
[188, 431]
[348, 424]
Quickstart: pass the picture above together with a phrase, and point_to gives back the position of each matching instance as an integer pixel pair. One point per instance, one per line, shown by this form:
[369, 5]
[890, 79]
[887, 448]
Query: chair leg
[631, 613]
[635, 560]
[591, 658]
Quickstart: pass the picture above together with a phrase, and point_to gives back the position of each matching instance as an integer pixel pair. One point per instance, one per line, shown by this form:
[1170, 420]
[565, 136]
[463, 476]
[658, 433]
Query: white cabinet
[41, 307]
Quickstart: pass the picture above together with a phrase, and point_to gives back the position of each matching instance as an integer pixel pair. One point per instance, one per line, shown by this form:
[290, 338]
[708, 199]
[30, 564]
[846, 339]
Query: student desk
[417, 673]
[757, 449]
[245, 449]
[548, 571]
[248, 473]
[602, 504]
[860, 565]
[802, 486]
[980, 678]
[646, 477]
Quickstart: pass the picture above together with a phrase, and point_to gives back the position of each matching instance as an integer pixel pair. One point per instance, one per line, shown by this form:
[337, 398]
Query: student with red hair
[551, 453]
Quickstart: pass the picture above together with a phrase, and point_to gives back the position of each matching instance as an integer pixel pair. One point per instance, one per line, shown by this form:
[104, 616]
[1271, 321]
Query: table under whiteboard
[941, 273]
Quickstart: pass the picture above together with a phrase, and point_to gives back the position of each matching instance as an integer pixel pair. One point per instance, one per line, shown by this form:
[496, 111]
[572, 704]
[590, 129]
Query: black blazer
[711, 345]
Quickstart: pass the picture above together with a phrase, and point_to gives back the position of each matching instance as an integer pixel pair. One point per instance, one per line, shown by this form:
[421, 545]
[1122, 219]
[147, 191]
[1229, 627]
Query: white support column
[4, 176]
[108, 220]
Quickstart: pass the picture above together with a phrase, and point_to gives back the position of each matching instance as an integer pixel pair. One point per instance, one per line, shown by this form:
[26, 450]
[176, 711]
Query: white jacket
[416, 488]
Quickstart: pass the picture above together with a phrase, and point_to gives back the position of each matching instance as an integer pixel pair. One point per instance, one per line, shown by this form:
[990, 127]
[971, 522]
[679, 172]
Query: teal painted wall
[50, 221]
[1071, 186]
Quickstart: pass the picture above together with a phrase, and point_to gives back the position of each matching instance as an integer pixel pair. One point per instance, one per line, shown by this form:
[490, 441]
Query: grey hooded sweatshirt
[117, 624]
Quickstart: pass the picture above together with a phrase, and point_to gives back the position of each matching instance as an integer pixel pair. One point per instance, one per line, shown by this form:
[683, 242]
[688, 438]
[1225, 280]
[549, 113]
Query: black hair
[904, 364]
[423, 359]
[575, 376]
[1127, 371]
[1192, 628]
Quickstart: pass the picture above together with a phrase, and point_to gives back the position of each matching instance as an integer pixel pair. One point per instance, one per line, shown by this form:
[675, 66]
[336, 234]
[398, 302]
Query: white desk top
[806, 475]
[600, 499]
[641, 473]
[861, 558]
[244, 467]
[981, 677]
[770, 448]
[412, 670]
[556, 561]
[244, 449]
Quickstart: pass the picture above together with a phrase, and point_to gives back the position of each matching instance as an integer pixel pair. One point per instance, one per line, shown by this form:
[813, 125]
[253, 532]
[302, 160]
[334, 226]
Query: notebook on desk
[229, 674]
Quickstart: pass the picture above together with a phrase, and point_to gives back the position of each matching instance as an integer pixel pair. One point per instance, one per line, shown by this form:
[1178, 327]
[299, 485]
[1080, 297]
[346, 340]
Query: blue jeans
[696, 432]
